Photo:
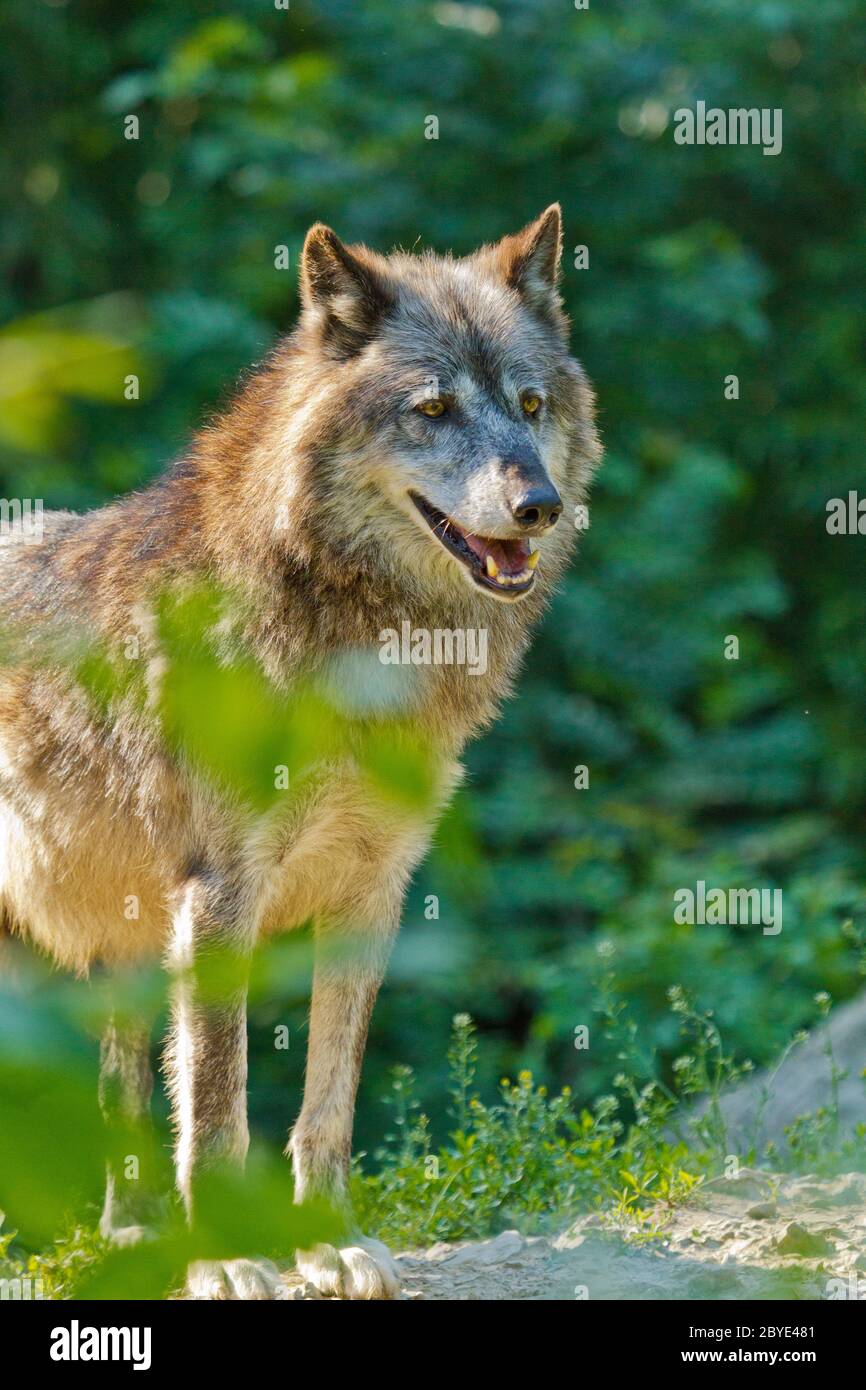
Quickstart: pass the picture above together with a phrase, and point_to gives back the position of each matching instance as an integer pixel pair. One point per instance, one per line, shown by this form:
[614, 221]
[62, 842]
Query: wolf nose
[538, 508]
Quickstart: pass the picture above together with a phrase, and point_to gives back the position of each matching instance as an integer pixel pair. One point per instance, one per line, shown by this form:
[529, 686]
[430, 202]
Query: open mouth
[507, 567]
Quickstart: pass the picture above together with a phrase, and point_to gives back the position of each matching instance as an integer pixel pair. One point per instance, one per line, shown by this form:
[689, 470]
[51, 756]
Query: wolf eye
[531, 403]
[432, 409]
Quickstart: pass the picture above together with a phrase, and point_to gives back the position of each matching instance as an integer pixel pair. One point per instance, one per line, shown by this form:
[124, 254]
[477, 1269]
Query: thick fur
[297, 499]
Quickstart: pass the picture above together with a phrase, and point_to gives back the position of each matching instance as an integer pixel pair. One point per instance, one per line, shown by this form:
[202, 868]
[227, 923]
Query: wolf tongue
[509, 556]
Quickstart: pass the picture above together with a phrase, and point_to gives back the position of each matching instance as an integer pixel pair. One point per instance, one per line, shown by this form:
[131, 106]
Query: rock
[763, 1211]
[748, 1184]
[506, 1246]
[845, 1190]
[810, 1244]
[800, 1086]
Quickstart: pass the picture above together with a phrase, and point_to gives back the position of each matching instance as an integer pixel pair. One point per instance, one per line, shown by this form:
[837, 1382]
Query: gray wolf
[412, 453]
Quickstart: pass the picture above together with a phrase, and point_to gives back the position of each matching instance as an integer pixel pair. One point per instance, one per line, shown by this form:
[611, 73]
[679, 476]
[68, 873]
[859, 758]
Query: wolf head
[445, 432]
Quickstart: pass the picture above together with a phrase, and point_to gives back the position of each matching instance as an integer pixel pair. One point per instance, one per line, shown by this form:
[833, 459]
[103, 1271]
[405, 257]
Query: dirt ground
[753, 1236]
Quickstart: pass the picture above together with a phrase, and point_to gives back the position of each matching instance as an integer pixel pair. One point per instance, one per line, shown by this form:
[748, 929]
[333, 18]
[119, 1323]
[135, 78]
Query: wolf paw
[234, 1279]
[121, 1236]
[129, 1222]
[364, 1270]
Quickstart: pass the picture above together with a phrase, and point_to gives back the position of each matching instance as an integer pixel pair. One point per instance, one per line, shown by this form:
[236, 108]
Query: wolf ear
[343, 287]
[529, 262]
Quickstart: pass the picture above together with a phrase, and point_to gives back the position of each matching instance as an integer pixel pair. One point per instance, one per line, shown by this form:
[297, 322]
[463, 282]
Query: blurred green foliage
[155, 256]
[55, 1142]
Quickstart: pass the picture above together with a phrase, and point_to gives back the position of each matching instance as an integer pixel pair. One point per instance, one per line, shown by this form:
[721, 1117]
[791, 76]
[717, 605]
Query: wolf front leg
[351, 956]
[133, 1205]
[206, 1062]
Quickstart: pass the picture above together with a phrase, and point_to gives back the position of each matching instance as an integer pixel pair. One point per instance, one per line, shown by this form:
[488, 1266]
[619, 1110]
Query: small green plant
[815, 1142]
[704, 1071]
[532, 1161]
[527, 1160]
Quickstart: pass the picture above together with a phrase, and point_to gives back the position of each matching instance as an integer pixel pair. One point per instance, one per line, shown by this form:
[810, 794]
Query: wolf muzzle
[532, 498]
